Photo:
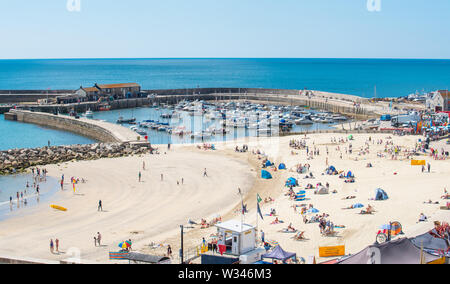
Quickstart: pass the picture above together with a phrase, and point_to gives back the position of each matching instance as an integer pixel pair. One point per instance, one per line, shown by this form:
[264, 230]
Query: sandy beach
[146, 212]
[152, 210]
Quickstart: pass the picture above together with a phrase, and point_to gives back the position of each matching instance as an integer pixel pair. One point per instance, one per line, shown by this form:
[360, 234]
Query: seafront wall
[98, 130]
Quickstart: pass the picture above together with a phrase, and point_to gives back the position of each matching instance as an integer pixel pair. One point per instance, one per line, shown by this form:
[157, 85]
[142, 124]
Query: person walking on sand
[51, 245]
[100, 207]
[143, 166]
[169, 251]
[429, 167]
[57, 245]
[205, 174]
[99, 239]
[140, 176]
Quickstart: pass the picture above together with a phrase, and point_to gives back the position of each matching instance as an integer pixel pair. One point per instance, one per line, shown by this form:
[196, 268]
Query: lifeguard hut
[240, 240]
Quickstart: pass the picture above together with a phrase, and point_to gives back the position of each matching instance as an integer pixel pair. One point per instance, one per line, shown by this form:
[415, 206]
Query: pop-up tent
[312, 210]
[282, 166]
[279, 254]
[291, 182]
[265, 174]
[268, 163]
[399, 251]
[331, 170]
[350, 174]
[380, 194]
[321, 190]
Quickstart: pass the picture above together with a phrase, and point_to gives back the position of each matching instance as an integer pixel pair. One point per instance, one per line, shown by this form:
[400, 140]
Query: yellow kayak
[58, 207]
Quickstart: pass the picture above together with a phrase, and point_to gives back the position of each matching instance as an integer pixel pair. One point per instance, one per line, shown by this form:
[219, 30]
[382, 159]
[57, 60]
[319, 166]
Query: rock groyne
[19, 160]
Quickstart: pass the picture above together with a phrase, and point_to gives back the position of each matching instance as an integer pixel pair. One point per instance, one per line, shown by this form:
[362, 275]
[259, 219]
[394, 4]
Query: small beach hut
[380, 194]
[282, 166]
[265, 174]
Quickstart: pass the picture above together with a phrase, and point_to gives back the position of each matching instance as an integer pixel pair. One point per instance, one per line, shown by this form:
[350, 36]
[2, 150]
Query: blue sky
[224, 28]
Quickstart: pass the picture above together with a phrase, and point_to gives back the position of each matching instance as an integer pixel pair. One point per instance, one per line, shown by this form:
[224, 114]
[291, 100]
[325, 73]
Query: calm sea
[350, 76]
[392, 77]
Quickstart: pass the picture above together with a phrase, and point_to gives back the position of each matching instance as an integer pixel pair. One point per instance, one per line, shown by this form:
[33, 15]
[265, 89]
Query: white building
[438, 101]
[240, 240]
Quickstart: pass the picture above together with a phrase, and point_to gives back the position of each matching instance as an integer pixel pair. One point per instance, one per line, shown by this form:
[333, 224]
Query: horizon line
[109, 58]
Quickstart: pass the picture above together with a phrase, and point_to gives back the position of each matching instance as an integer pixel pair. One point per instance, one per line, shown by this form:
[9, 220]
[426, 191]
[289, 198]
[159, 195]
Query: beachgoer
[169, 251]
[205, 174]
[100, 207]
[99, 239]
[51, 245]
[57, 245]
[140, 176]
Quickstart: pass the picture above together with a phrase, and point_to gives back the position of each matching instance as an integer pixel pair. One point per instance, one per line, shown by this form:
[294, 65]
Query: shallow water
[10, 185]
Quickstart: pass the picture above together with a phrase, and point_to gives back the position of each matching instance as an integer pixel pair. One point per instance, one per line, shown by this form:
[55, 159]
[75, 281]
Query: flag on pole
[259, 211]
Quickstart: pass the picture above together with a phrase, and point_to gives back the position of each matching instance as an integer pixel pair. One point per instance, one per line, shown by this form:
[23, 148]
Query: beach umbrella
[125, 244]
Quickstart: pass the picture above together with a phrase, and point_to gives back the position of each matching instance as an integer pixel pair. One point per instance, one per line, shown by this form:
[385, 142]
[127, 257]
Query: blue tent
[291, 182]
[332, 168]
[269, 163]
[282, 166]
[312, 210]
[350, 174]
[380, 194]
[265, 174]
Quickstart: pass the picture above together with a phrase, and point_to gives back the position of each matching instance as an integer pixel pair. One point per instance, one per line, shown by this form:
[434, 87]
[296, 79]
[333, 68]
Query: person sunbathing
[430, 202]
[300, 236]
[276, 221]
[369, 210]
[290, 228]
[349, 197]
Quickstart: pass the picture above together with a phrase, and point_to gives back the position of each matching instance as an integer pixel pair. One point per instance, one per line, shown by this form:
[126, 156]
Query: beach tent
[265, 174]
[291, 182]
[380, 194]
[279, 254]
[268, 163]
[358, 205]
[399, 251]
[331, 170]
[322, 190]
[349, 174]
[282, 166]
[312, 210]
